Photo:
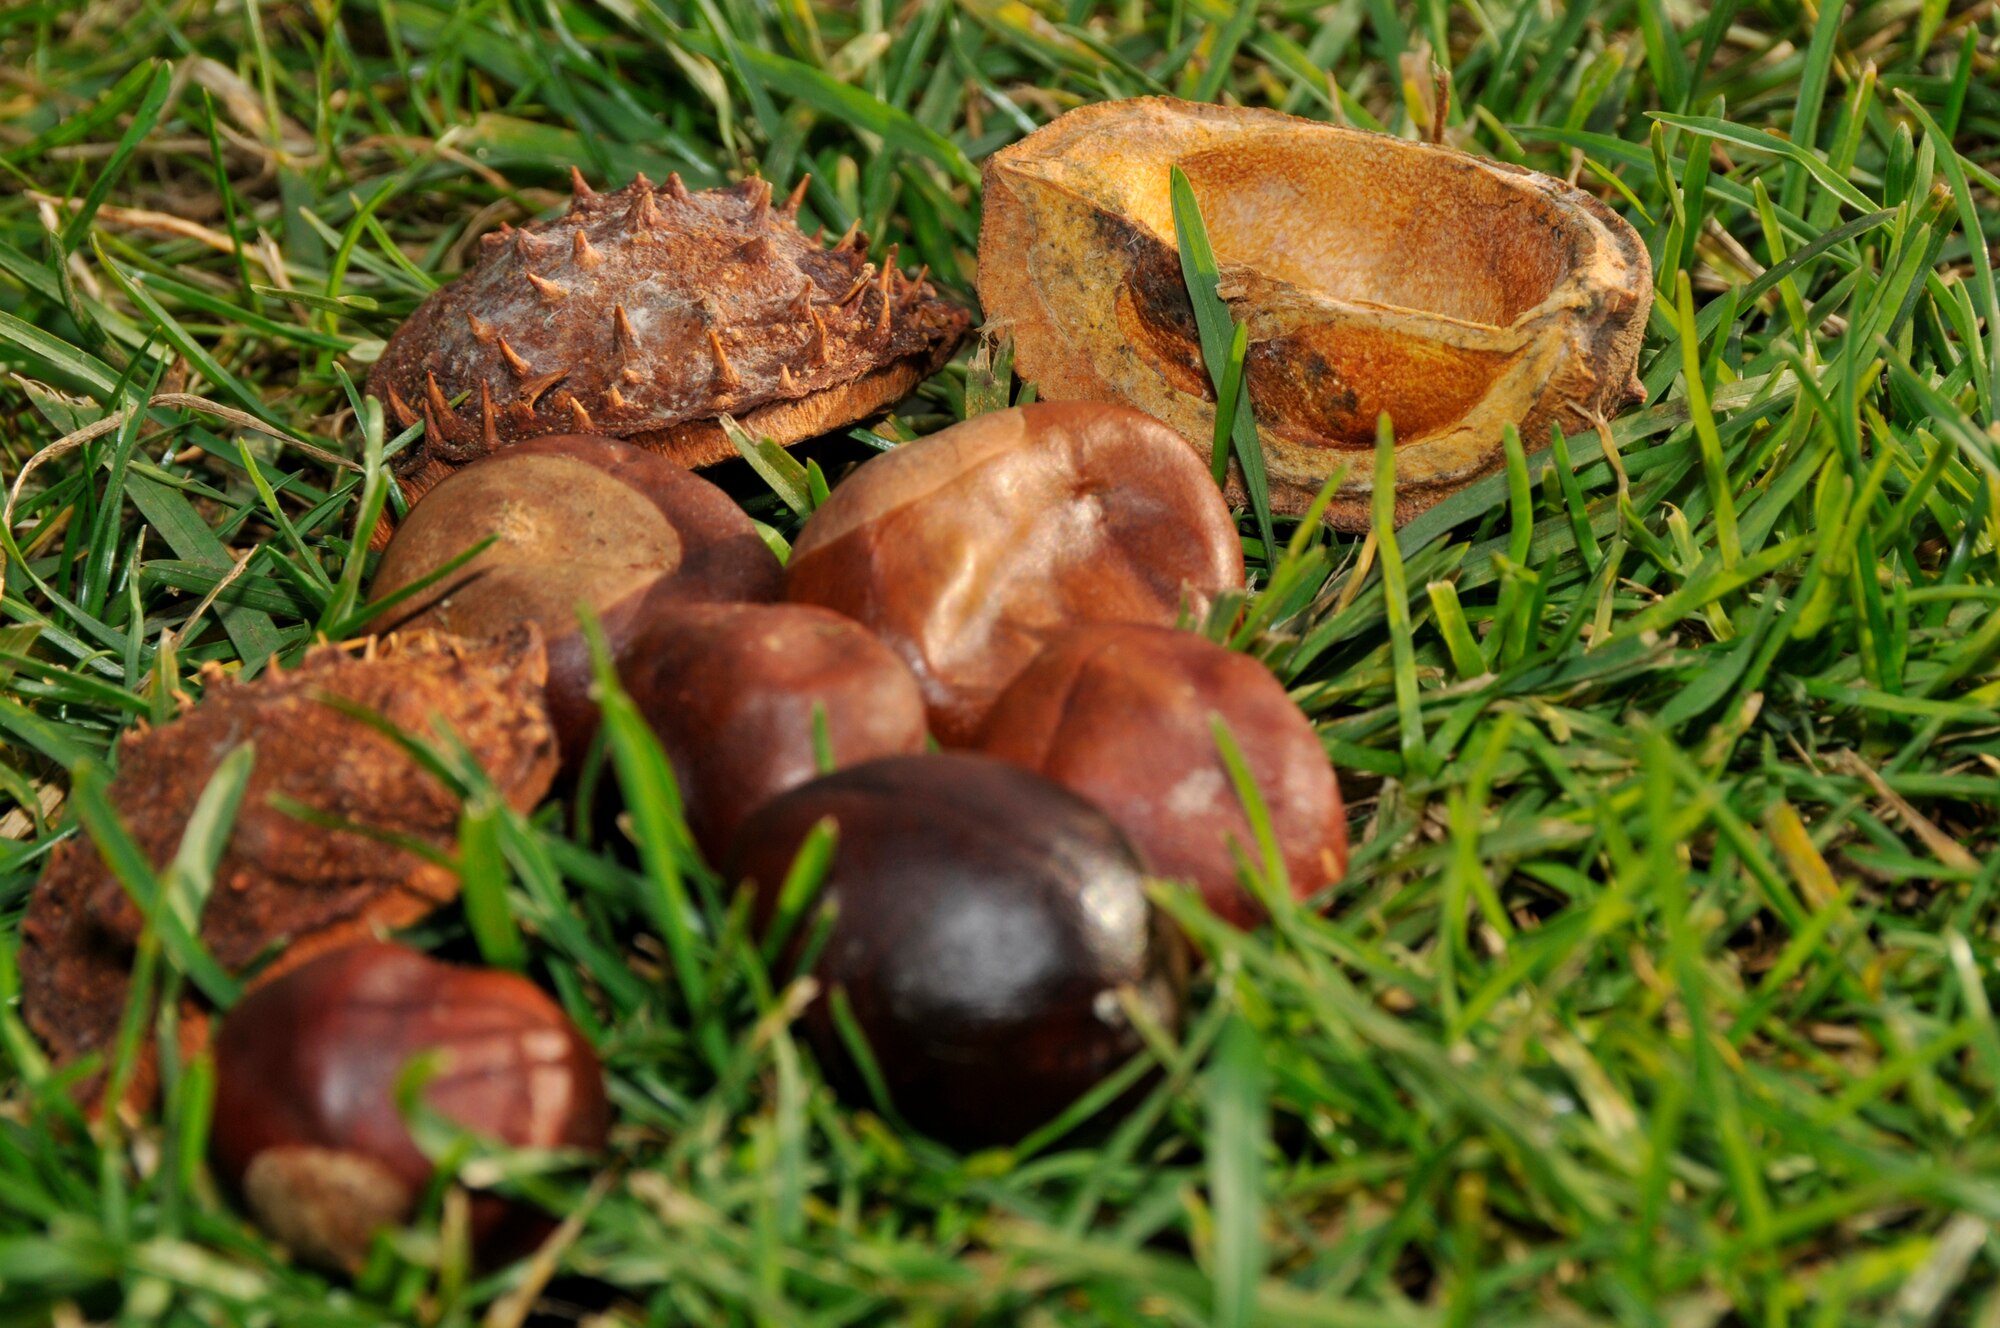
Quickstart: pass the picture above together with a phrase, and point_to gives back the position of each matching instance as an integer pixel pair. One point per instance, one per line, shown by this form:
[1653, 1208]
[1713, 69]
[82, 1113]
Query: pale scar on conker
[647, 314]
[1457, 295]
[285, 883]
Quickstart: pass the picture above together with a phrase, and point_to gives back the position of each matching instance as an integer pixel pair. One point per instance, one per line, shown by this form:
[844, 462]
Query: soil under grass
[1659, 989]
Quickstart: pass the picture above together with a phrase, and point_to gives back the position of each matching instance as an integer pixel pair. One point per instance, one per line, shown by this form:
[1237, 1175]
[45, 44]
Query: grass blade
[1213, 319]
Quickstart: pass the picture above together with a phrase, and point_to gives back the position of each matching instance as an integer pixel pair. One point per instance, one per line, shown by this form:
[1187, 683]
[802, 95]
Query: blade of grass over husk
[778, 468]
[1396, 600]
[1218, 333]
[169, 913]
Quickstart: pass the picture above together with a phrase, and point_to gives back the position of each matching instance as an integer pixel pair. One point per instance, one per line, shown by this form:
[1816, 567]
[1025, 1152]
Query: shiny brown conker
[306, 1126]
[966, 550]
[731, 690]
[986, 922]
[1124, 716]
[580, 520]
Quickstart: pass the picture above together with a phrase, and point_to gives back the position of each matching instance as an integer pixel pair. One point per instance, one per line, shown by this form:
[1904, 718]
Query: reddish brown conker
[731, 690]
[1123, 715]
[580, 520]
[987, 925]
[306, 1126]
[966, 550]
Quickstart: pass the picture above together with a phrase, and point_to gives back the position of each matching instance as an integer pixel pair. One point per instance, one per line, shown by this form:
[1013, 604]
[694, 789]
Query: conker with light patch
[306, 1125]
[988, 929]
[1125, 716]
[579, 520]
[741, 696]
[965, 551]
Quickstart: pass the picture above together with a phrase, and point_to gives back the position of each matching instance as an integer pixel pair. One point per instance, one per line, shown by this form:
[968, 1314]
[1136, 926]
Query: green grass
[1660, 989]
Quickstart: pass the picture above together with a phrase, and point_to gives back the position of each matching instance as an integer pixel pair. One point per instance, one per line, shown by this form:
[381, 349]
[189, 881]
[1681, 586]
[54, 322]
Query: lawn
[1659, 989]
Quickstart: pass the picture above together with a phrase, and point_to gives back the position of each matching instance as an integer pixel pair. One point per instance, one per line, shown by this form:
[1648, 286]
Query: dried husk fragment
[283, 885]
[648, 313]
[1374, 274]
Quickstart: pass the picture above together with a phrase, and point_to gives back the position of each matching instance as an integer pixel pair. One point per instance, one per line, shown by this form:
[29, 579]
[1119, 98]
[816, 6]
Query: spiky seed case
[645, 314]
[285, 882]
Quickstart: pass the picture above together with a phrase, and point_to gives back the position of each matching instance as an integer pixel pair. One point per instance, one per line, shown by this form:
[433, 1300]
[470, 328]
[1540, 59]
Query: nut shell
[1122, 715]
[306, 1123]
[731, 690]
[284, 883]
[965, 551]
[986, 922]
[647, 314]
[580, 520]
[1374, 274]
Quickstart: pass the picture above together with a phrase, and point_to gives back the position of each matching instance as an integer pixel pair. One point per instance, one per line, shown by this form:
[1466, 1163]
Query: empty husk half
[1374, 274]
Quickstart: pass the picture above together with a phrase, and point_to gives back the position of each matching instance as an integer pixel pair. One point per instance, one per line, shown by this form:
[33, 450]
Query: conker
[306, 1126]
[580, 519]
[966, 550]
[985, 923]
[1123, 715]
[731, 690]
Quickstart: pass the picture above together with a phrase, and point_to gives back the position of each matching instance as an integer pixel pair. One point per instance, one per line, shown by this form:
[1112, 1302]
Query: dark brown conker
[985, 923]
[731, 691]
[1123, 715]
[966, 550]
[306, 1126]
[580, 520]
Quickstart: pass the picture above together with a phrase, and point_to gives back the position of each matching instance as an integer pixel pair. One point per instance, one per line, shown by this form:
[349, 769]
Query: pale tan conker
[580, 520]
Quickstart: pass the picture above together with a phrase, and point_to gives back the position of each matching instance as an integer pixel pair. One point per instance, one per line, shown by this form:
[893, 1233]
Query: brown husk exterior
[285, 886]
[647, 315]
[1375, 274]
